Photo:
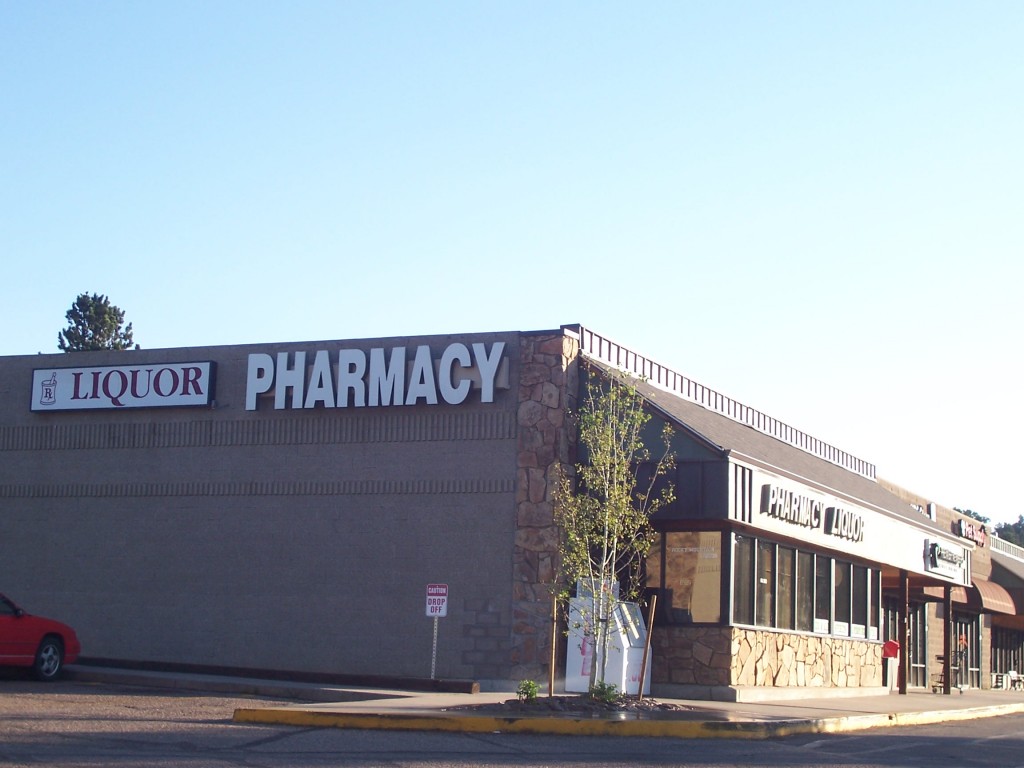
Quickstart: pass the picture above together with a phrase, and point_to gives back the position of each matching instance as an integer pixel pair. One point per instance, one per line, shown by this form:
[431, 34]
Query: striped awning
[994, 597]
[983, 596]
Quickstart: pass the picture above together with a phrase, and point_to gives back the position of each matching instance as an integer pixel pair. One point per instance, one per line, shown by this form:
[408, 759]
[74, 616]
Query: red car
[32, 641]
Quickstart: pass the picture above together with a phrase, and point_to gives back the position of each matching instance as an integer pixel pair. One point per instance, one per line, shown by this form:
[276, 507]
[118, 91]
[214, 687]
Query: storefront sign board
[787, 508]
[149, 385]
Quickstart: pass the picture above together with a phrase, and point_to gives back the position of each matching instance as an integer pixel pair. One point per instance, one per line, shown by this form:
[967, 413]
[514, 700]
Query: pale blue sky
[813, 207]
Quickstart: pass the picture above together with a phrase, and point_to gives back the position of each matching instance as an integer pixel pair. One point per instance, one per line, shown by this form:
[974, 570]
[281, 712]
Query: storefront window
[874, 606]
[1007, 650]
[841, 624]
[787, 585]
[860, 601]
[822, 594]
[743, 581]
[805, 591]
[687, 569]
[786, 588]
[765, 586]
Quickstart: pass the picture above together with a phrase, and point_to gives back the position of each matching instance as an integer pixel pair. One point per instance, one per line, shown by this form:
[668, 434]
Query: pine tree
[94, 323]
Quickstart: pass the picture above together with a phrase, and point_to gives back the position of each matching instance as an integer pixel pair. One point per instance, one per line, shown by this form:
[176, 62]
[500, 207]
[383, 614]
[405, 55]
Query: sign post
[437, 607]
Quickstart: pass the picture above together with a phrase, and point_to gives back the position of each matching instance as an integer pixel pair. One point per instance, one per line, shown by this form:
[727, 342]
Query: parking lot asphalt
[390, 709]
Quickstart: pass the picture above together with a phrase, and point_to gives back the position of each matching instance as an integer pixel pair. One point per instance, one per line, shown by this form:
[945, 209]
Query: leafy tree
[972, 514]
[1012, 532]
[604, 511]
[94, 323]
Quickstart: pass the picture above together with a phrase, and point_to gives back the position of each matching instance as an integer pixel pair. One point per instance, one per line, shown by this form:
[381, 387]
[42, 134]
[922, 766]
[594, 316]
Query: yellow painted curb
[679, 729]
[487, 724]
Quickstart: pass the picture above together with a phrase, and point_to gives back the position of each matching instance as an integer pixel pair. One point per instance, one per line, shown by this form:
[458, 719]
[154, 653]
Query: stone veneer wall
[691, 656]
[779, 659]
[547, 391]
[717, 656]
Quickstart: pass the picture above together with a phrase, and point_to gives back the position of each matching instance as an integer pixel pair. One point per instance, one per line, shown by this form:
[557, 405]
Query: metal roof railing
[1007, 548]
[607, 351]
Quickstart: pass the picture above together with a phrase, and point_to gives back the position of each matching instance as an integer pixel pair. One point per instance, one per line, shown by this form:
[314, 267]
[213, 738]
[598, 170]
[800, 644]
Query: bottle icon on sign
[49, 394]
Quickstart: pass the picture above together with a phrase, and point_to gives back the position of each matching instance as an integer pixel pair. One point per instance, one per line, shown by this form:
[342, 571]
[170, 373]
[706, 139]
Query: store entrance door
[916, 645]
[966, 645]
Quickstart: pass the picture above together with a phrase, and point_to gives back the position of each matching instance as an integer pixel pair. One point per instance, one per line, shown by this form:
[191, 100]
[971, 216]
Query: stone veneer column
[547, 392]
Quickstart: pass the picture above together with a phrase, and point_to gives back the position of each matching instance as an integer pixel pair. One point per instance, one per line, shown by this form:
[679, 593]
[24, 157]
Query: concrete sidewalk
[387, 709]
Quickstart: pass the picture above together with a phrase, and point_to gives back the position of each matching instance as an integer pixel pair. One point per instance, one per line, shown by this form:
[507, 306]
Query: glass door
[966, 650]
[917, 647]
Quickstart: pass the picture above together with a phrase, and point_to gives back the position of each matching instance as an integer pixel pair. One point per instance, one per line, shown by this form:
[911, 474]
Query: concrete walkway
[387, 709]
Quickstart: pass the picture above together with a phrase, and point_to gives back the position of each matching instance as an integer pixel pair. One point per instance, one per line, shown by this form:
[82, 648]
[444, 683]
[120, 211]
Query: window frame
[818, 587]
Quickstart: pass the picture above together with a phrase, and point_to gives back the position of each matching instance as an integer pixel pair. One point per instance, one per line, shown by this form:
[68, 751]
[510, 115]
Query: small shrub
[527, 690]
[604, 692]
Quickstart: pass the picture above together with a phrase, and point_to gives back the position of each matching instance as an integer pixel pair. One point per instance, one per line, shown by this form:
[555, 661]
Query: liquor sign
[122, 386]
[437, 600]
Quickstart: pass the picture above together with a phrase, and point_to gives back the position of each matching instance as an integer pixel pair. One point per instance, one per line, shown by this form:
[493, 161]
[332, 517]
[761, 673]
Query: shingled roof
[730, 437]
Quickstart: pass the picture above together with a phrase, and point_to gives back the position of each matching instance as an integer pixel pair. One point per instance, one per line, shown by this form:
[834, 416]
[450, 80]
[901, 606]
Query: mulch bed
[582, 704]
